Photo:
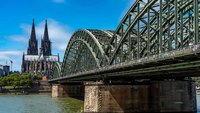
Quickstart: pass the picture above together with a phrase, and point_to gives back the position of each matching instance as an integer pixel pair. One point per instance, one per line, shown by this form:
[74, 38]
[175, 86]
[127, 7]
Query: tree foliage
[38, 76]
[16, 80]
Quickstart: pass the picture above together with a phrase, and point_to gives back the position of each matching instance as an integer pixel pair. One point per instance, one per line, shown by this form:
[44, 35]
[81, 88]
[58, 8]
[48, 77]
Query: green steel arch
[56, 71]
[150, 27]
[85, 51]
[155, 26]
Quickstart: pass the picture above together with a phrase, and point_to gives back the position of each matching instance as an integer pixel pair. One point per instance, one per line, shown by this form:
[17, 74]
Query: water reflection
[198, 103]
[38, 104]
[44, 104]
[69, 104]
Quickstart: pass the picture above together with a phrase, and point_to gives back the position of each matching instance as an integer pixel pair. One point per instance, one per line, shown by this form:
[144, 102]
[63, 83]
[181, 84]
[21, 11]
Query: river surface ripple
[44, 104]
[38, 104]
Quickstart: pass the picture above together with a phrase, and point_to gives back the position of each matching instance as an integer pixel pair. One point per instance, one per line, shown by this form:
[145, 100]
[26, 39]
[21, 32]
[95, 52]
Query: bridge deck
[177, 63]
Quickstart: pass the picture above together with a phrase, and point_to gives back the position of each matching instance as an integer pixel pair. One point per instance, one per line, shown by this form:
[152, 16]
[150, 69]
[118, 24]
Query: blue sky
[64, 17]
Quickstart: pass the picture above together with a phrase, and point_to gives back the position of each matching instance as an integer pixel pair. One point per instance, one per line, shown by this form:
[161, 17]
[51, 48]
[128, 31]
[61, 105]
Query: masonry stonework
[173, 96]
[157, 96]
[116, 98]
[76, 91]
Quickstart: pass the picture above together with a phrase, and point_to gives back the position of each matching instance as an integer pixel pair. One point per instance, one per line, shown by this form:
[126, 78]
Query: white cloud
[26, 28]
[5, 56]
[58, 1]
[59, 34]
[19, 38]
[2, 53]
[14, 56]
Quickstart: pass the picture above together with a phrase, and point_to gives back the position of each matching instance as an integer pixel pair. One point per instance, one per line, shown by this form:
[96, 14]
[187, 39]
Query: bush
[38, 76]
[2, 82]
[16, 80]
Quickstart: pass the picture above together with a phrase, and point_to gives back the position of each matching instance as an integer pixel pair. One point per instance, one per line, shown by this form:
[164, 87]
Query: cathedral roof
[51, 58]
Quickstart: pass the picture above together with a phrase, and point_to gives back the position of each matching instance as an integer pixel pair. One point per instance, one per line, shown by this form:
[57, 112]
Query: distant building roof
[51, 58]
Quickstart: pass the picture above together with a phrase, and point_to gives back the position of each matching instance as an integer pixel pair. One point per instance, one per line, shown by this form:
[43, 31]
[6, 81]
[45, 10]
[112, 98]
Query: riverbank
[38, 87]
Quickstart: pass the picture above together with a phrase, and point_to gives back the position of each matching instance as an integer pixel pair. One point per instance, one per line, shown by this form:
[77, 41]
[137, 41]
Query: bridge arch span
[56, 71]
[85, 51]
[149, 30]
[154, 27]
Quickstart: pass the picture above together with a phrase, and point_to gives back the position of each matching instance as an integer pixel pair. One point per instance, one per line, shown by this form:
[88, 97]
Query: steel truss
[56, 71]
[86, 51]
[150, 27]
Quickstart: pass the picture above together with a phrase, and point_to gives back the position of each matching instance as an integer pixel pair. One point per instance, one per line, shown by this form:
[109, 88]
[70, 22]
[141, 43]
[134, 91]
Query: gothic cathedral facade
[38, 60]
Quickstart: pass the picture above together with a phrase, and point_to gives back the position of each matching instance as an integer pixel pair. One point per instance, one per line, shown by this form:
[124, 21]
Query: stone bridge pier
[68, 90]
[156, 96]
[151, 96]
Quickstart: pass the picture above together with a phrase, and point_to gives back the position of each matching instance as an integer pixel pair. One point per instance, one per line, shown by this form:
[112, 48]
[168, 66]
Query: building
[38, 60]
[1, 72]
[4, 70]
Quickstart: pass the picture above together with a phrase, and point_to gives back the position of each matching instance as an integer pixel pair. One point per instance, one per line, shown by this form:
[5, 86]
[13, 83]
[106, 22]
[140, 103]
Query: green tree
[16, 80]
[38, 76]
[2, 83]
[25, 80]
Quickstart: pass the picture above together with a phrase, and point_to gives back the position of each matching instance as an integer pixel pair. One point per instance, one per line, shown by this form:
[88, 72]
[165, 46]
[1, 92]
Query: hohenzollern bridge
[145, 65]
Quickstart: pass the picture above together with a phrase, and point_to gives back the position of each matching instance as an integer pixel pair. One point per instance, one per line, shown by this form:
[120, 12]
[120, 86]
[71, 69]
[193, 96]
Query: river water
[38, 104]
[44, 104]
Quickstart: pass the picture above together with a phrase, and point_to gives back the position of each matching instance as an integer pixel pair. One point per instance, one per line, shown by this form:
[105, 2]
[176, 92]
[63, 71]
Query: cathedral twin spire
[32, 48]
[45, 48]
[46, 42]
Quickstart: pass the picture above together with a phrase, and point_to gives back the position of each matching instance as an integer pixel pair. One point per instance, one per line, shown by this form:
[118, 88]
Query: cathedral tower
[33, 45]
[46, 43]
[40, 60]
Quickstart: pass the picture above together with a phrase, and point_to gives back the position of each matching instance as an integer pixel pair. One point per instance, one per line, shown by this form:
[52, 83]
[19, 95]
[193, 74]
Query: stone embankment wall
[40, 87]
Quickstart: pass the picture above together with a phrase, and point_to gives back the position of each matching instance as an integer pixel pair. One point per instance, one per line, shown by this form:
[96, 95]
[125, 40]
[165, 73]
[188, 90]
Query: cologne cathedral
[38, 59]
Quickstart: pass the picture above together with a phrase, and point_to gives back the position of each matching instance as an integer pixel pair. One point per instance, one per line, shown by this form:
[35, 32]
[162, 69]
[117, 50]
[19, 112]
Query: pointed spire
[46, 34]
[32, 47]
[46, 41]
[33, 35]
